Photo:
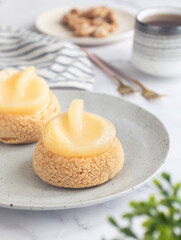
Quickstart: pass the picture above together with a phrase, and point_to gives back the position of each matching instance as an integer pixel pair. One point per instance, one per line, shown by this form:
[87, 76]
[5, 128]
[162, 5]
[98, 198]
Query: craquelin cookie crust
[18, 128]
[78, 172]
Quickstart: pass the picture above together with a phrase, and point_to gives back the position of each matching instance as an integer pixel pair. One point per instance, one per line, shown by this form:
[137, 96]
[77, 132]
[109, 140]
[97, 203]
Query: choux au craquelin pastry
[78, 150]
[26, 105]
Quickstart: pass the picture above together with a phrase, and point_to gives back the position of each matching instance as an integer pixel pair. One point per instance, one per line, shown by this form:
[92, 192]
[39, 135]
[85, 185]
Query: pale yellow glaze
[22, 92]
[78, 133]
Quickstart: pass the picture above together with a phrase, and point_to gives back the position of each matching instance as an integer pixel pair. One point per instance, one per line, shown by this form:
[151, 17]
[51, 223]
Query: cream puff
[26, 105]
[78, 150]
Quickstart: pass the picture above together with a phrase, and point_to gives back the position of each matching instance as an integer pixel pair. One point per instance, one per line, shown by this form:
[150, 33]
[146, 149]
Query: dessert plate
[145, 142]
[50, 23]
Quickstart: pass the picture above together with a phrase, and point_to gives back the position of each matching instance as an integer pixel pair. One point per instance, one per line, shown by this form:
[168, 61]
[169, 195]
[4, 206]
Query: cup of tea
[157, 41]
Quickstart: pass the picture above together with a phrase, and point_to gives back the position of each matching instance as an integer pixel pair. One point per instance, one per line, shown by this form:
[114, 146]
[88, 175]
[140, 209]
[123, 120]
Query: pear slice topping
[75, 116]
[23, 82]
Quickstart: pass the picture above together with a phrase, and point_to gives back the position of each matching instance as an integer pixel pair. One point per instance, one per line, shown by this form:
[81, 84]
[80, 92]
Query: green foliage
[162, 213]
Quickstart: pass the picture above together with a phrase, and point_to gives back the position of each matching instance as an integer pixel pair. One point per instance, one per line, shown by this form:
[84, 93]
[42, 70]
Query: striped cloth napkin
[61, 63]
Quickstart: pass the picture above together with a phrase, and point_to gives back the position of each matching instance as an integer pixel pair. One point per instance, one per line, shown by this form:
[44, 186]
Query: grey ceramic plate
[144, 139]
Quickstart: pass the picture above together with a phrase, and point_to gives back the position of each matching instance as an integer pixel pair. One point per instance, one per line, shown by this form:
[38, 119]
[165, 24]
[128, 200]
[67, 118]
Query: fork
[122, 88]
[146, 93]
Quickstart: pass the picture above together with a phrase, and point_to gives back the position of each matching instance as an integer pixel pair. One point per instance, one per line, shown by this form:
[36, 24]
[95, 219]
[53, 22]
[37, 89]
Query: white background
[91, 223]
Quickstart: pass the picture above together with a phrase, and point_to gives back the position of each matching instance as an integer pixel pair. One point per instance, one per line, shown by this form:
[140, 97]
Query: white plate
[144, 139]
[50, 23]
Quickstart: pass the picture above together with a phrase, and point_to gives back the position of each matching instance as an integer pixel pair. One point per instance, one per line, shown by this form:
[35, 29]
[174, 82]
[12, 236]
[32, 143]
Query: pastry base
[78, 172]
[16, 129]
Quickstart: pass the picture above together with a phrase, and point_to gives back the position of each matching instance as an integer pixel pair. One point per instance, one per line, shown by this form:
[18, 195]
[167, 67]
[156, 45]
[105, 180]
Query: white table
[91, 223]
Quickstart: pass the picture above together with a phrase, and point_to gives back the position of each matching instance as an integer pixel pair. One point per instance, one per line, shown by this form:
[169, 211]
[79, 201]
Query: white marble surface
[91, 223]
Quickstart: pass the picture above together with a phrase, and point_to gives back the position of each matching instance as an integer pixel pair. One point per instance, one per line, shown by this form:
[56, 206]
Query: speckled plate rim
[88, 203]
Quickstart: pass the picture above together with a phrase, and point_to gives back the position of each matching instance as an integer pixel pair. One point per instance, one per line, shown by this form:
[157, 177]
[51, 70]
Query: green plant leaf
[113, 221]
[162, 213]
[160, 187]
[128, 232]
[176, 188]
[166, 176]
